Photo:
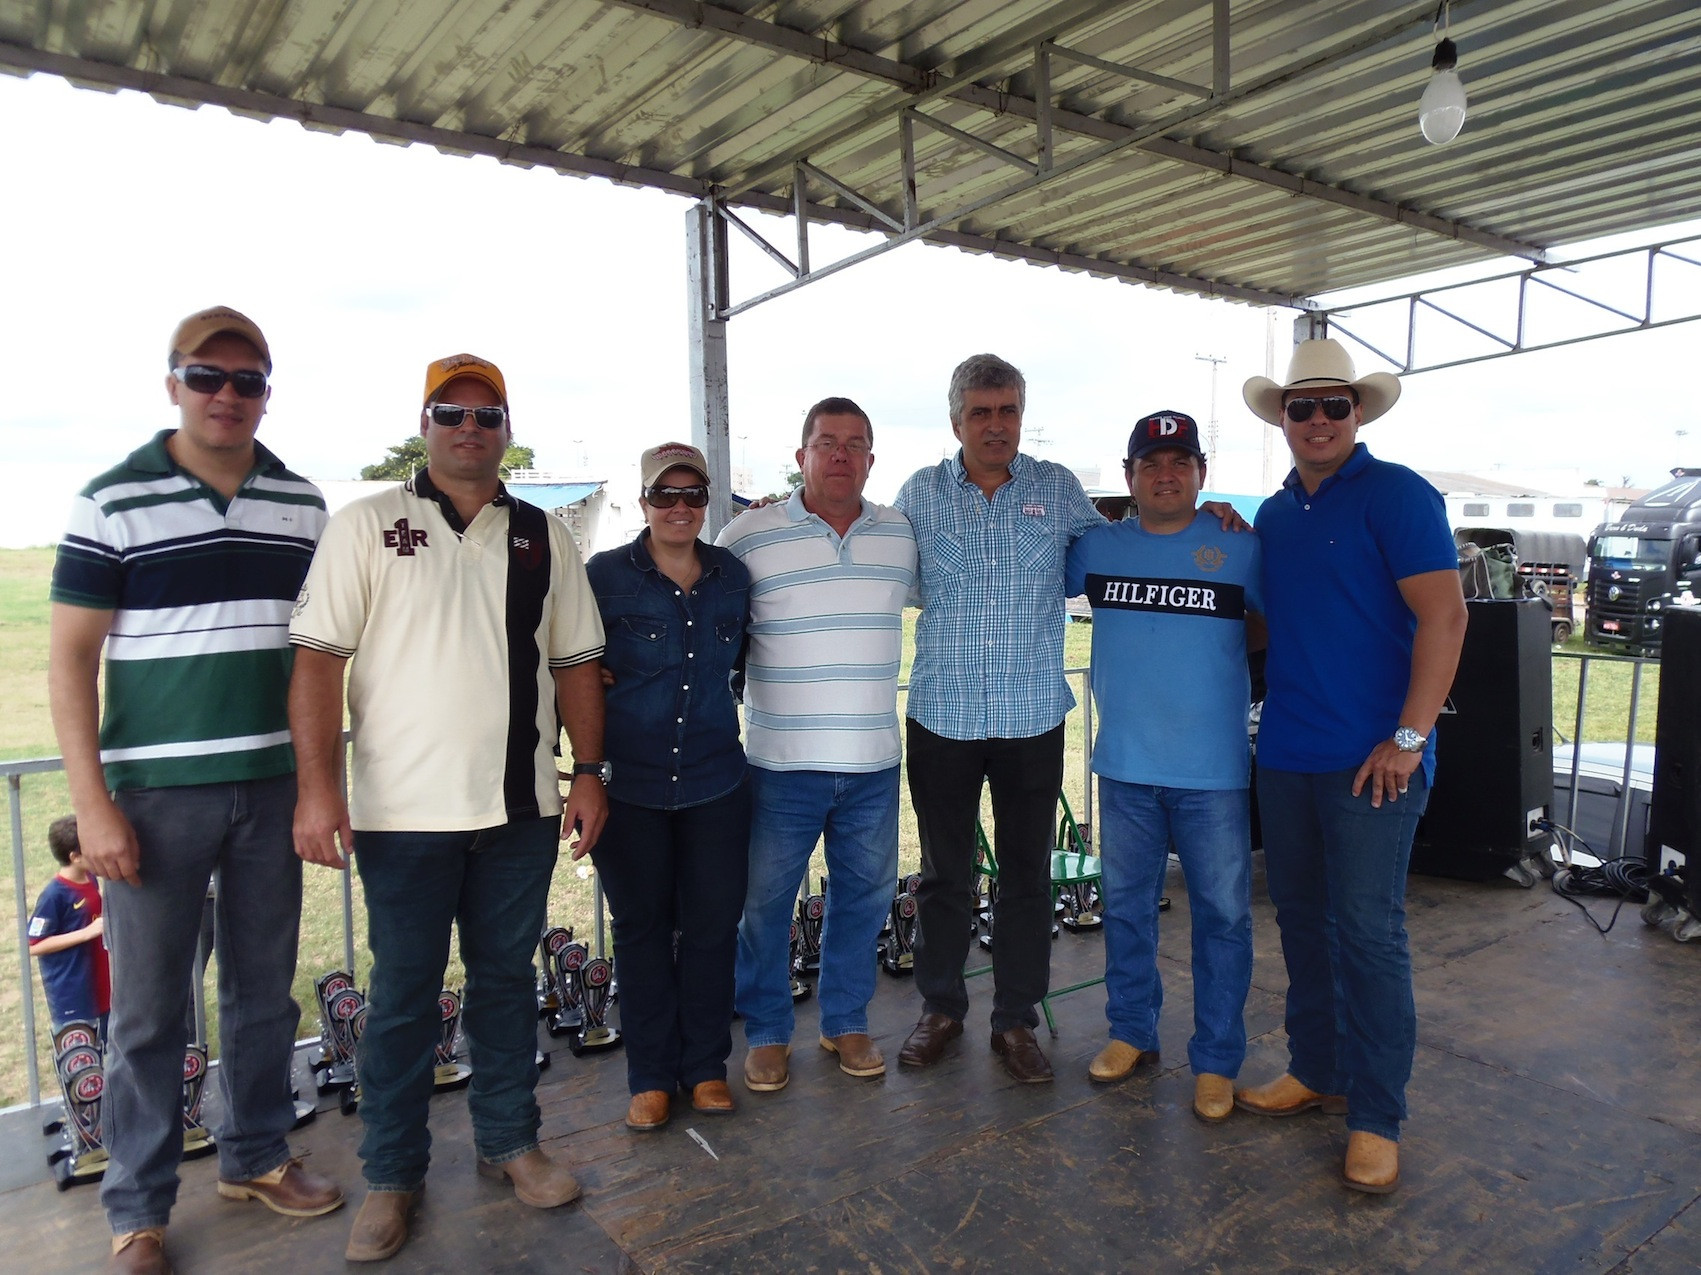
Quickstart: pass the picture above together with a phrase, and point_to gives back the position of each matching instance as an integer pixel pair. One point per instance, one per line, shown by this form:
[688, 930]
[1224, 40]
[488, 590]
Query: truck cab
[1644, 564]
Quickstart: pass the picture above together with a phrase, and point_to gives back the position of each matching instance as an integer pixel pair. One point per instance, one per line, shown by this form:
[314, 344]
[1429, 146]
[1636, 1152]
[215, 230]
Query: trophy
[800, 990]
[811, 913]
[897, 943]
[449, 1073]
[549, 990]
[1078, 904]
[596, 991]
[567, 964]
[196, 1140]
[339, 1002]
[78, 1062]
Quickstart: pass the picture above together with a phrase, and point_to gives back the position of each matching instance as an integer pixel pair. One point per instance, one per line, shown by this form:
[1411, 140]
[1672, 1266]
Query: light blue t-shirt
[1169, 650]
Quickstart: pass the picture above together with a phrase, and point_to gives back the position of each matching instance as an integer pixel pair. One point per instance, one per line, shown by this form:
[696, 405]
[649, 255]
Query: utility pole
[1216, 361]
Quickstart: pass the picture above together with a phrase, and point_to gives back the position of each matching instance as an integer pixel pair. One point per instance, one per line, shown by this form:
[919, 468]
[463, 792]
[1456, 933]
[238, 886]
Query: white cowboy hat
[1322, 362]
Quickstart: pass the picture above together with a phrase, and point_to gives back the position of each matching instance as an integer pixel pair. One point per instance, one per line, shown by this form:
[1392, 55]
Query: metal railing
[14, 771]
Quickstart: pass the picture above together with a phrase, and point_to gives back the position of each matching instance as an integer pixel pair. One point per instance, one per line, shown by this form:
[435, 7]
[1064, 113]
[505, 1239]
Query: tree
[794, 480]
[409, 456]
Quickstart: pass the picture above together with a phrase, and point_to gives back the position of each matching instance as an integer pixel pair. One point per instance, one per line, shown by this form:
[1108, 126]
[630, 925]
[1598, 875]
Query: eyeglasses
[826, 447]
[453, 416]
[205, 379]
[1337, 407]
[667, 497]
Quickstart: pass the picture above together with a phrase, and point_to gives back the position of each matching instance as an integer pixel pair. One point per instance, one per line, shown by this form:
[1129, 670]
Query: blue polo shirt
[1340, 658]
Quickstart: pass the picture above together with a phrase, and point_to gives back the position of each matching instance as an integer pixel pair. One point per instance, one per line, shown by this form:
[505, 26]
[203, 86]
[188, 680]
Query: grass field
[26, 732]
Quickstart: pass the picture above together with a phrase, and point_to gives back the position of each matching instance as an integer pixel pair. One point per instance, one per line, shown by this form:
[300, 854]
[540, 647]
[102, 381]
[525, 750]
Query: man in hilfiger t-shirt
[471, 638]
[180, 565]
[1175, 601]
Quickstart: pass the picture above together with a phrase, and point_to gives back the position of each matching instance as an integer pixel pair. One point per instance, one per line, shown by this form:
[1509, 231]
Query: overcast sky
[363, 261]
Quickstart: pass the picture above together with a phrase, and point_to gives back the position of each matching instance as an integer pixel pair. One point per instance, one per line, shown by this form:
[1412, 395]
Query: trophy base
[305, 1113]
[197, 1142]
[1086, 921]
[543, 1060]
[449, 1076]
[566, 1023]
[898, 966]
[71, 1170]
[331, 1076]
[801, 991]
[594, 1040]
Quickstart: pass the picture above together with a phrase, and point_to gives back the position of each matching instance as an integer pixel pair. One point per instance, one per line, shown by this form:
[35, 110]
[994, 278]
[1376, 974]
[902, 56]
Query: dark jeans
[241, 831]
[493, 885]
[1025, 776]
[1337, 874]
[675, 882]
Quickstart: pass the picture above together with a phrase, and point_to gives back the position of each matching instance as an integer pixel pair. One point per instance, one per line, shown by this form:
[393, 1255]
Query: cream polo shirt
[452, 637]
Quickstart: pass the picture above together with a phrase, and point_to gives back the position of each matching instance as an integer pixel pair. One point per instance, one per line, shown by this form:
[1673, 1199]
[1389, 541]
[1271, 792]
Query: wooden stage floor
[1555, 1126]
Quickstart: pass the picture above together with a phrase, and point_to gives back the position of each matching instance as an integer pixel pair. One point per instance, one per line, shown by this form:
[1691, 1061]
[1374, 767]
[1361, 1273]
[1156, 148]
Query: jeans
[1337, 874]
[1025, 776]
[493, 885]
[675, 885]
[793, 809]
[1212, 835]
[238, 833]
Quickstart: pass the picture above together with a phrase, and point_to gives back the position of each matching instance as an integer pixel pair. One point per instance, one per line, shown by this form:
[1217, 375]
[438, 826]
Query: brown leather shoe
[1022, 1056]
[712, 1098]
[140, 1252]
[1213, 1097]
[1373, 1163]
[290, 1189]
[649, 1110]
[858, 1055]
[538, 1180]
[766, 1069]
[927, 1040]
[1285, 1096]
[381, 1226]
[1117, 1061]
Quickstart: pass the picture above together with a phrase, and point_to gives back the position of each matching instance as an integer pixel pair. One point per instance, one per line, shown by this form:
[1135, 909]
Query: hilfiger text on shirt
[1219, 600]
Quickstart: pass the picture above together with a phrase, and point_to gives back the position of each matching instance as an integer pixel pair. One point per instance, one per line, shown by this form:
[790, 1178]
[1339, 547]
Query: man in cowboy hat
[1361, 592]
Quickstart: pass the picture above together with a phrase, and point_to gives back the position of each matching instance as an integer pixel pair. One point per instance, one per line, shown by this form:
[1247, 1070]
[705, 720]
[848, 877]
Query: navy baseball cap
[1164, 429]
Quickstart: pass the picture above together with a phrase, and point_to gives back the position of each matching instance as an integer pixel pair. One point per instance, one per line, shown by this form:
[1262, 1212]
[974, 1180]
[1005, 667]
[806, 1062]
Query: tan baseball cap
[444, 370]
[204, 325]
[659, 459]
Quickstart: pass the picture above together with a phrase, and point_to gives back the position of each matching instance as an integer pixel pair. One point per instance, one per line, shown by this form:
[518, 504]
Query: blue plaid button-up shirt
[989, 643]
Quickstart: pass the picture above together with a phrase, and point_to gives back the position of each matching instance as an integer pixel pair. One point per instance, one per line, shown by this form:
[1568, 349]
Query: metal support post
[26, 990]
[706, 275]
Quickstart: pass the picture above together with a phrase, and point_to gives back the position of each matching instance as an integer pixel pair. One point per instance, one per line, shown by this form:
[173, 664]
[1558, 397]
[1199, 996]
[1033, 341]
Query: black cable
[1624, 877]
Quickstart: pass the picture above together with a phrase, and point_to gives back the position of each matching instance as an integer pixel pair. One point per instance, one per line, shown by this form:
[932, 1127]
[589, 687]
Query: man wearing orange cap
[180, 564]
[471, 637]
[1366, 618]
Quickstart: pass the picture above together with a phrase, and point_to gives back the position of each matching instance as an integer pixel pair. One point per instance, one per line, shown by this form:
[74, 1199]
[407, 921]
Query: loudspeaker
[1675, 809]
[1494, 747]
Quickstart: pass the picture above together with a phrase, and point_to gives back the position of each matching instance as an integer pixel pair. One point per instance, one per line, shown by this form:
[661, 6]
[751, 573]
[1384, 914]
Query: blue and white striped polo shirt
[826, 636]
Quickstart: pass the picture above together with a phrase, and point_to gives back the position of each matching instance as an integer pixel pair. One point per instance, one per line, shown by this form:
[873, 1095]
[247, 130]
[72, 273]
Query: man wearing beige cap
[180, 564]
[470, 637]
[1361, 594]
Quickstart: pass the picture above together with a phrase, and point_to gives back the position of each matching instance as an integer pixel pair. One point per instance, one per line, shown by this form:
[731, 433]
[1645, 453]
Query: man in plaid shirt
[986, 704]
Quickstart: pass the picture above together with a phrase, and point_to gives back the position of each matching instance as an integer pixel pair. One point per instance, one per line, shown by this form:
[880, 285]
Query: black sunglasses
[453, 415]
[204, 379]
[1337, 407]
[667, 497]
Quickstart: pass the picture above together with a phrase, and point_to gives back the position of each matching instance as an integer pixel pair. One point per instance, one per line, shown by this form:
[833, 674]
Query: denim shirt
[672, 731]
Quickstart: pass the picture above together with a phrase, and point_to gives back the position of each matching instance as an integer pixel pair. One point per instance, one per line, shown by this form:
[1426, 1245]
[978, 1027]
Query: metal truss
[1580, 300]
[1041, 50]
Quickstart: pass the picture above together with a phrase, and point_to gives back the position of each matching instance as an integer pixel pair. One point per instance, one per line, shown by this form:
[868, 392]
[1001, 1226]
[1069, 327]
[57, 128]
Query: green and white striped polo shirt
[198, 657]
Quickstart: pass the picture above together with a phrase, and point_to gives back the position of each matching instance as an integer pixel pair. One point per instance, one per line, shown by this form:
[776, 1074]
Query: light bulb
[1441, 110]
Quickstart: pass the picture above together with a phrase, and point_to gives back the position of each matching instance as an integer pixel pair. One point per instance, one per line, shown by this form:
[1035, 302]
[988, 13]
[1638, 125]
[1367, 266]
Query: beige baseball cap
[204, 325]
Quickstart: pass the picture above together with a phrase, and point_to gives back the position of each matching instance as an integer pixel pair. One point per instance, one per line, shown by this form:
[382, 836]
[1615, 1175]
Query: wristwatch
[603, 770]
[1408, 740]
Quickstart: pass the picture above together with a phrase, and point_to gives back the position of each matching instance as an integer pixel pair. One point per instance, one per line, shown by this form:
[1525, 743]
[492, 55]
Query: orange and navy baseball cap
[444, 370]
[1164, 429]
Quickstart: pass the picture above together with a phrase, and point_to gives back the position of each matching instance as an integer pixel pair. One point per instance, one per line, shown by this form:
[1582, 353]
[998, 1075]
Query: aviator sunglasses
[1337, 407]
[453, 415]
[667, 497]
[204, 379]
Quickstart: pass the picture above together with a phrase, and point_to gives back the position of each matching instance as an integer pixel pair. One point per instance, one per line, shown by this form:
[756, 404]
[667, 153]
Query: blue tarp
[553, 495]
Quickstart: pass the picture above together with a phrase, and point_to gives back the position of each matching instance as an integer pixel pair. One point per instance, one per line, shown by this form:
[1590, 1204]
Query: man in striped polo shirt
[829, 576]
[182, 564]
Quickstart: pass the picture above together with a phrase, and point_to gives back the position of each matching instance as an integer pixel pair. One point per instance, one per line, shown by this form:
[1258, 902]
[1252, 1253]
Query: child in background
[65, 936]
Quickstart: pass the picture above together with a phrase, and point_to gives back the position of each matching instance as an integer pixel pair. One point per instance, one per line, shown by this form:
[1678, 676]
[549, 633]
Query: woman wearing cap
[672, 856]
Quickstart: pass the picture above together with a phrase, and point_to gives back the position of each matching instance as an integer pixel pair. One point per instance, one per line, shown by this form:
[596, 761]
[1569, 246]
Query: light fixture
[1441, 110]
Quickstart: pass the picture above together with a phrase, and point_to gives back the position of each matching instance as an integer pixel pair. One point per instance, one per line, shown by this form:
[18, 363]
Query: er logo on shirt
[403, 538]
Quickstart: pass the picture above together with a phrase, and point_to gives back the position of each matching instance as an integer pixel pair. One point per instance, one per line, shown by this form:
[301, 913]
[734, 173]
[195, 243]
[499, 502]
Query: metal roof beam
[1510, 335]
[915, 80]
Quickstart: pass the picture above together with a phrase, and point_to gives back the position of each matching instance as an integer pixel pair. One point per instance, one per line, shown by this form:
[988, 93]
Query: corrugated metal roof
[1300, 172]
